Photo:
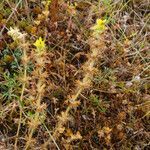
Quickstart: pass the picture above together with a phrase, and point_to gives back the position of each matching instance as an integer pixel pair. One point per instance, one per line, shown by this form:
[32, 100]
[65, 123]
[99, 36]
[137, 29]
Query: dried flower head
[73, 137]
[16, 34]
[63, 117]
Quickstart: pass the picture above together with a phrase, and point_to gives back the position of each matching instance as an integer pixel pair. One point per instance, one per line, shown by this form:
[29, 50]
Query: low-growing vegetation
[74, 74]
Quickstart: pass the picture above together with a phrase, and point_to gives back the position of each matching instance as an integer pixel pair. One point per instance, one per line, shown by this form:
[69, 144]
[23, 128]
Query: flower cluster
[39, 44]
[16, 34]
[100, 26]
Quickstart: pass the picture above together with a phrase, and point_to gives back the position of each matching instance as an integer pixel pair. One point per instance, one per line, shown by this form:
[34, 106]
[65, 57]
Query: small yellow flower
[100, 25]
[40, 44]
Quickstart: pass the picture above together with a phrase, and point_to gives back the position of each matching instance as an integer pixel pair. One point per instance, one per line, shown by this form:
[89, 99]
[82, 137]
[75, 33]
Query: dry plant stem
[22, 92]
[39, 96]
[88, 75]
[51, 137]
[60, 122]
[85, 80]
[27, 9]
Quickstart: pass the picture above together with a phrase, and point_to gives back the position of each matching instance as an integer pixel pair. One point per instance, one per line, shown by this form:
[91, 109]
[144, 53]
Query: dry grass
[82, 90]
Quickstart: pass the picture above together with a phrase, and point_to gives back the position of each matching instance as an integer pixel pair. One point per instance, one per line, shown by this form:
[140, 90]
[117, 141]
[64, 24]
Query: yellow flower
[40, 44]
[100, 25]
